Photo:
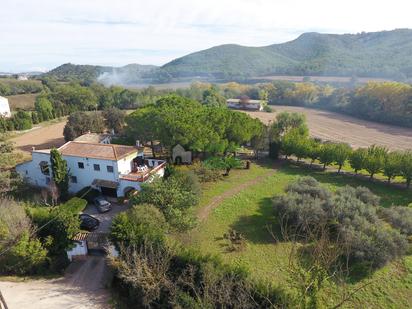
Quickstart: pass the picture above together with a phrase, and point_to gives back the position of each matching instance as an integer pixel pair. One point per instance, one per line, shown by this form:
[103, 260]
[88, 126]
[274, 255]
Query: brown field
[325, 79]
[340, 128]
[22, 101]
[47, 136]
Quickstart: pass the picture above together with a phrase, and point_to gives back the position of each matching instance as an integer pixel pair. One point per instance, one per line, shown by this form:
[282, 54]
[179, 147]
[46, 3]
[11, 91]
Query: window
[80, 164]
[96, 167]
[44, 167]
[73, 179]
[109, 169]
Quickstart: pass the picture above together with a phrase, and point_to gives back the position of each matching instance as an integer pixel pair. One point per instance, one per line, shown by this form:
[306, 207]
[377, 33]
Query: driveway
[107, 217]
[83, 286]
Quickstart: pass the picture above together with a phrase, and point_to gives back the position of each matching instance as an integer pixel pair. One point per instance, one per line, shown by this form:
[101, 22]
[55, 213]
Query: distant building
[180, 155]
[4, 107]
[22, 77]
[112, 169]
[95, 138]
[245, 103]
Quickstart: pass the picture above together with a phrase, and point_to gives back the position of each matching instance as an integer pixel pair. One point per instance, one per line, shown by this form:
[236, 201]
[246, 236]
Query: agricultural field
[325, 79]
[22, 101]
[243, 202]
[44, 135]
[340, 128]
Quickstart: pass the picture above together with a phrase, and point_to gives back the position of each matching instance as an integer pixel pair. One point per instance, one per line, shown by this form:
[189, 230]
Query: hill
[385, 54]
[105, 74]
[375, 54]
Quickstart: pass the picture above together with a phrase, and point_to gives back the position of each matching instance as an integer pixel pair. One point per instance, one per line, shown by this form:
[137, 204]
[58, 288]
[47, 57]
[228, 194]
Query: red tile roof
[97, 151]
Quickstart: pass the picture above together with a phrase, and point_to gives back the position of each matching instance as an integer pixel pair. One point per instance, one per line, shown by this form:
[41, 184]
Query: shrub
[267, 109]
[22, 121]
[350, 217]
[400, 218]
[21, 252]
[75, 205]
[205, 173]
[174, 197]
[164, 278]
[138, 225]
[27, 256]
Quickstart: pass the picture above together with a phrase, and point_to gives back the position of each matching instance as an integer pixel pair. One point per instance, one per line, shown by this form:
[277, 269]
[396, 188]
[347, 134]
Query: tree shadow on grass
[259, 228]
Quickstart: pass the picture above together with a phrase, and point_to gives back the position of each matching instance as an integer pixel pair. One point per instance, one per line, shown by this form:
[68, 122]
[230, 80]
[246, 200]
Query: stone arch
[128, 190]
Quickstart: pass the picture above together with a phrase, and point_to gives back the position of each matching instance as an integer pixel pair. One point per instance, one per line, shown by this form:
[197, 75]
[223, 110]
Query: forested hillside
[375, 54]
[105, 74]
[378, 54]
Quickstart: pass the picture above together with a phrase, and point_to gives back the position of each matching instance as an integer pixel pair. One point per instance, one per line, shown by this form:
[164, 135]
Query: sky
[40, 35]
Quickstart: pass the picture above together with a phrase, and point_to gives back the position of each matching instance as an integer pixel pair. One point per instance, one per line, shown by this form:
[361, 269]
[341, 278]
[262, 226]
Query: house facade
[112, 169]
[245, 103]
[4, 107]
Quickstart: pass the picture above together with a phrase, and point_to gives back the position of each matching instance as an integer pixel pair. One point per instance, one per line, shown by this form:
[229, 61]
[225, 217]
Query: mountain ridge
[386, 54]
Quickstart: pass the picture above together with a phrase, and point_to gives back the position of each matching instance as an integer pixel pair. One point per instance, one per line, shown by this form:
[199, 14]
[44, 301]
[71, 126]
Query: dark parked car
[88, 222]
[102, 204]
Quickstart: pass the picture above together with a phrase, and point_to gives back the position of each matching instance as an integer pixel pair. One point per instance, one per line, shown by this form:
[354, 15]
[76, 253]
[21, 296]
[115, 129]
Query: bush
[400, 218]
[22, 121]
[267, 109]
[27, 256]
[138, 225]
[179, 278]
[21, 252]
[205, 173]
[59, 225]
[174, 197]
[349, 216]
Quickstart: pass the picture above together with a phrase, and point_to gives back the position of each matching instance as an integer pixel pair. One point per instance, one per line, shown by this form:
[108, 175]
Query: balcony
[143, 172]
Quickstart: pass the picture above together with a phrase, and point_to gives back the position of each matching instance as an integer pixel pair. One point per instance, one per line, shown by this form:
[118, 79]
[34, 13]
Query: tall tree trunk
[153, 151]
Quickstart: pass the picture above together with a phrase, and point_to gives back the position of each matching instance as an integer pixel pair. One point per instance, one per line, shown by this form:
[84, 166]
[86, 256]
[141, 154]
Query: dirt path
[205, 211]
[340, 128]
[83, 287]
[41, 137]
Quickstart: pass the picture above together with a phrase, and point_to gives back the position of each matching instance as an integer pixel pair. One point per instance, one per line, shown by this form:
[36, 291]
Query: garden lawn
[250, 212]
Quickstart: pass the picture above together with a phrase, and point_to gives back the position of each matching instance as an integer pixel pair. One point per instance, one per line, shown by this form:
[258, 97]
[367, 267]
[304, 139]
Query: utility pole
[3, 304]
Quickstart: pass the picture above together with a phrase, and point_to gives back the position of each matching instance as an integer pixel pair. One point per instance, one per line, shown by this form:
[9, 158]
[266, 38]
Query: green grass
[250, 212]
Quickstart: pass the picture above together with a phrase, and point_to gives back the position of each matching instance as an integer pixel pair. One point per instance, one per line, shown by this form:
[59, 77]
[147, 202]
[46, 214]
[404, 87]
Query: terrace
[142, 172]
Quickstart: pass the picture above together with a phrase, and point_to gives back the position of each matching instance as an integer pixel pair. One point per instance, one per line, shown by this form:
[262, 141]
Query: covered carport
[107, 187]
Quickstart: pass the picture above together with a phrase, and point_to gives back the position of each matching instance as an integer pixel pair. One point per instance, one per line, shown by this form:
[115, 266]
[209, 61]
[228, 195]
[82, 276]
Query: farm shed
[80, 246]
[180, 155]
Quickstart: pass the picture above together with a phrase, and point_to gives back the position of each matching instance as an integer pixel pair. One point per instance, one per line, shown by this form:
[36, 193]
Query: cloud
[46, 33]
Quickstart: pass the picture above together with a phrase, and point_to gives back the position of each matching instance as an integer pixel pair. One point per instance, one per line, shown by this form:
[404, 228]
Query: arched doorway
[128, 191]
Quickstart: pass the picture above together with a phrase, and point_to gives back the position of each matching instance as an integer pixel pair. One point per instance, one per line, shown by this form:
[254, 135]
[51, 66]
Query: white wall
[87, 175]
[31, 170]
[80, 248]
[32, 173]
[4, 107]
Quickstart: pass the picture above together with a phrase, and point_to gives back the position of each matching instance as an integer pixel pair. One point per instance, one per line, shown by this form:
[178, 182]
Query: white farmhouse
[245, 103]
[4, 107]
[113, 169]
